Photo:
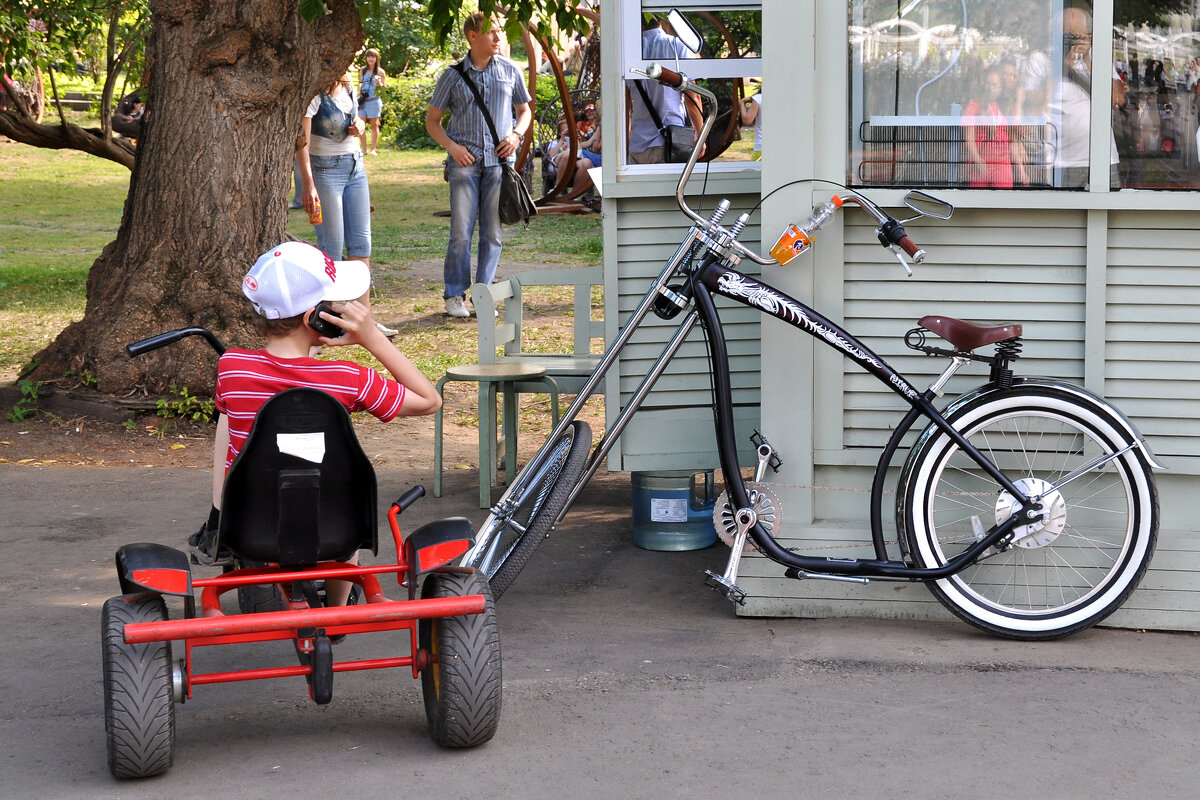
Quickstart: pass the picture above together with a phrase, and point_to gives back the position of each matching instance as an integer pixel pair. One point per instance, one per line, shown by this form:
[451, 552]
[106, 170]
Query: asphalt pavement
[624, 677]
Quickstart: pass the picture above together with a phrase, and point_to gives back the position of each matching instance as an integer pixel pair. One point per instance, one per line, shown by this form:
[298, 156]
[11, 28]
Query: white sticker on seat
[309, 446]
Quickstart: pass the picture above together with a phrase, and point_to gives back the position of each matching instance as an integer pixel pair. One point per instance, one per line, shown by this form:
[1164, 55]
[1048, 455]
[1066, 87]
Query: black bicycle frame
[714, 278]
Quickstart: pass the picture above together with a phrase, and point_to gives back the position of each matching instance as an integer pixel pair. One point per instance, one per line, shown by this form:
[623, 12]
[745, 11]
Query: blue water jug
[673, 510]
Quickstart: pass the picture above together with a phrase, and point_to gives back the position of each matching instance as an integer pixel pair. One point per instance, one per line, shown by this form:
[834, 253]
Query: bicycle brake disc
[764, 503]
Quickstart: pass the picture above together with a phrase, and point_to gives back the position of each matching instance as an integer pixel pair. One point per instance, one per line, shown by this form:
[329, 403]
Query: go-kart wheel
[139, 717]
[254, 599]
[462, 685]
[321, 679]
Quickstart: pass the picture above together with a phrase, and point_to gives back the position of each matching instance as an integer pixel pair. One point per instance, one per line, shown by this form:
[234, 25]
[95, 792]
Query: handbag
[516, 204]
[678, 139]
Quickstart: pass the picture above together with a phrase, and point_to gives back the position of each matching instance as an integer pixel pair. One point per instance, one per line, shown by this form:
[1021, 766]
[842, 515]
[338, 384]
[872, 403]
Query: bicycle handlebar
[891, 232]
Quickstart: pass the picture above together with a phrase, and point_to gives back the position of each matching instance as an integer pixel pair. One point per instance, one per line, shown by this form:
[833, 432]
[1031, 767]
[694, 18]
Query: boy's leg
[337, 592]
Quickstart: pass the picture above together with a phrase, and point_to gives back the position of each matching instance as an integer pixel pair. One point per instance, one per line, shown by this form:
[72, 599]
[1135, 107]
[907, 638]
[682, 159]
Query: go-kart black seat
[301, 490]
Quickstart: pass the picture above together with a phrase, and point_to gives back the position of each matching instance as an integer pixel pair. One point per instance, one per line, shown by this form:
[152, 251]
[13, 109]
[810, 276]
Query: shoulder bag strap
[650, 107]
[487, 117]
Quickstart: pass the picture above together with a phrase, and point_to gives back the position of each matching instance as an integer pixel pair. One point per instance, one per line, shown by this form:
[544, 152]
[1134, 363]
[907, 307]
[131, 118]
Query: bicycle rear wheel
[1085, 554]
[525, 515]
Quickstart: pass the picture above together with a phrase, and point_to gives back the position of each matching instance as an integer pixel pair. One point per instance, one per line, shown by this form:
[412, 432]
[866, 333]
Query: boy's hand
[358, 325]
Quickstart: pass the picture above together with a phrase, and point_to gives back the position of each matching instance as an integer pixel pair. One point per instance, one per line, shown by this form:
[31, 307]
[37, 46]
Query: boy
[284, 286]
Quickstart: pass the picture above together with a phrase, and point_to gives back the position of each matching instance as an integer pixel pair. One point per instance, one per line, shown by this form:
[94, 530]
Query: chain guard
[764, 503]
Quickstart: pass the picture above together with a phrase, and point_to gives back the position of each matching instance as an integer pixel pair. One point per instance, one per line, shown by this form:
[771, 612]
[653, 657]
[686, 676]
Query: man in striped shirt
[285, 287]
[473, 160]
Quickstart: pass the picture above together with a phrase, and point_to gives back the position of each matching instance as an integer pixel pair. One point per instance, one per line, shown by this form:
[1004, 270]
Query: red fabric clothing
[248, 378]
[993, 144]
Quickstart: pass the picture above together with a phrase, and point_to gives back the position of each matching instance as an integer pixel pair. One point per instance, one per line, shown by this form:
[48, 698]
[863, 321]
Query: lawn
[58, 209]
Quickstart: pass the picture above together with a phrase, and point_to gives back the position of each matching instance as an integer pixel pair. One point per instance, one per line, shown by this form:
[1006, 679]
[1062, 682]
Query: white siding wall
[674, 429]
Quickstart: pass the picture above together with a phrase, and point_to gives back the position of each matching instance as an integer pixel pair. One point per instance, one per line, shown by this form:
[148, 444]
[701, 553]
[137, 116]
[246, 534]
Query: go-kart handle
[408, 498]
[170, 337]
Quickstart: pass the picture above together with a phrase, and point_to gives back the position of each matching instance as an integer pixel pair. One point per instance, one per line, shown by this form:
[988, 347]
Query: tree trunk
[229, 83]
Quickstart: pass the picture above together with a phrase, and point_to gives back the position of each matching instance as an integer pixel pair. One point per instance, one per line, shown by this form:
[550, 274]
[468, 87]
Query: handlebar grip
[410, 497]
[171, 337]
[665, 75]
[909, 246]
[154, 342]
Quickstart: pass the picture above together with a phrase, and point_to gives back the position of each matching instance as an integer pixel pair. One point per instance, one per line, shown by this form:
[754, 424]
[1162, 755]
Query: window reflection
[970, 93]
[1156, 115]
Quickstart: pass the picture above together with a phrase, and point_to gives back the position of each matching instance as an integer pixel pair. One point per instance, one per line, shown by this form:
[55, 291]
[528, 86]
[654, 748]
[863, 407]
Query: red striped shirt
[248, 378]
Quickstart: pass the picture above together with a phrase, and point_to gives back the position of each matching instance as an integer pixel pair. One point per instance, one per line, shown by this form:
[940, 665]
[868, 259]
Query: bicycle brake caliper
[727, 584]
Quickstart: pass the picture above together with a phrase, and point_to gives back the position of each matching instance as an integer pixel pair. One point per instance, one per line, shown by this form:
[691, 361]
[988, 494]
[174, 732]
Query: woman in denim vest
[331, 165]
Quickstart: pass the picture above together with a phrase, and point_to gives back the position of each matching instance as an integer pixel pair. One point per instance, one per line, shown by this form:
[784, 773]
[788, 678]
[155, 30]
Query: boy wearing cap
[285, 286]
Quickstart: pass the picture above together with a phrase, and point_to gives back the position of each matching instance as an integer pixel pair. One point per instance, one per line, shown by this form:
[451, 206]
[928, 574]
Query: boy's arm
[421, 396]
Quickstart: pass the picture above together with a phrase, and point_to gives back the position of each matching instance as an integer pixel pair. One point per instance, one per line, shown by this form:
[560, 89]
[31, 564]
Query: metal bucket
[673, 510]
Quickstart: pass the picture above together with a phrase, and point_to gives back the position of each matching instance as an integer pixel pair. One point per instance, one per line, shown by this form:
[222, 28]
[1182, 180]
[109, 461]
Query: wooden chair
[569, 370]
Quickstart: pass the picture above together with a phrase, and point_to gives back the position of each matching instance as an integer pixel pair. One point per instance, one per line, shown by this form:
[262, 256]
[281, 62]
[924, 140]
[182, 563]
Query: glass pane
[1157, 56]
[726, 32]
[735, 133]
[970, 93]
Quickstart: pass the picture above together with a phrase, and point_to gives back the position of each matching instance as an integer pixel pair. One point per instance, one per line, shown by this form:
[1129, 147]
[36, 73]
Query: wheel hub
[1048, 524]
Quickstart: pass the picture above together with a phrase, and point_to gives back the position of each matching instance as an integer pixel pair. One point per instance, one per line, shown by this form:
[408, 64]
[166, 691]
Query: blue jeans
[341, 183]
[474, 195]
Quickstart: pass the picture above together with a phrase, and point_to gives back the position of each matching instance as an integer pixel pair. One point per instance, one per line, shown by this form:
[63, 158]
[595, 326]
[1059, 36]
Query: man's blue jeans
[474, 196]
[341, 183]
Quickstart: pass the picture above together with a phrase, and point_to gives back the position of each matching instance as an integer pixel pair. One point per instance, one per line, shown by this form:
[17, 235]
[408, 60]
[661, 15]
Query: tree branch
[67, 136]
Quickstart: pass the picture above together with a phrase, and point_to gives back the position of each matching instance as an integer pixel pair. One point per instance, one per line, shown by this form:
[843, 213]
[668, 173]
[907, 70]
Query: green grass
[58, 209]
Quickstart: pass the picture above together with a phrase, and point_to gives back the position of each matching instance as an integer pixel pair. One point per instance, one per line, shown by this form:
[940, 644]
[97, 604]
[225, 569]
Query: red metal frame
[300, 623]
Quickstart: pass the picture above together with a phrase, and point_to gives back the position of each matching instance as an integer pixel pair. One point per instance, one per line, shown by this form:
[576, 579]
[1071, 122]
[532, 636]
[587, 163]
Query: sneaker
[200, 545]
[295, 204]
[385, 330]
[372, 152]
[457, 307]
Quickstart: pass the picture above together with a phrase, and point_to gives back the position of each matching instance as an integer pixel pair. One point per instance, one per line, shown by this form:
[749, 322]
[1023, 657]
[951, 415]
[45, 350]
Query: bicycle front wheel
[524, 517]
[1091, 545]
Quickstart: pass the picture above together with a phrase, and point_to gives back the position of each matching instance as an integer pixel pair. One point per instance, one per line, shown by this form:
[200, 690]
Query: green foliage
[186, 406]
[401, 34]
[26, 407]
[405, 101]
[71, 36]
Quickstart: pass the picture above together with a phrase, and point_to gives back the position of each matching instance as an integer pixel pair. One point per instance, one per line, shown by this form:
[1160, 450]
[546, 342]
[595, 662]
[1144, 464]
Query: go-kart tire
[256, 599]
[462, 686]
[139, 713]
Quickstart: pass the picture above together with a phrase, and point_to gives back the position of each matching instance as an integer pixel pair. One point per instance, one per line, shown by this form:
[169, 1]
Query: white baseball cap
[291, 278]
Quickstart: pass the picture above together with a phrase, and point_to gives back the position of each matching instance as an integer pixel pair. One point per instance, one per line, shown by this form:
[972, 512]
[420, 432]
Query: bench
[569, 370]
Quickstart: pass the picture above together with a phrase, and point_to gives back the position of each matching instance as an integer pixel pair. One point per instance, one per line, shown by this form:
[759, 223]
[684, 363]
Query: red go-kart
[298, 501]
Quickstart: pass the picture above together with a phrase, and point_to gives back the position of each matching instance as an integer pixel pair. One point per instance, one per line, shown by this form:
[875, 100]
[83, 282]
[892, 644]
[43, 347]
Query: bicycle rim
[526, 516]
[1062, 573]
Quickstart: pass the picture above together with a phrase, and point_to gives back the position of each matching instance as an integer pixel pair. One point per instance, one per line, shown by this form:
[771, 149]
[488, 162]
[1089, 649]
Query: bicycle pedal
[728, 589]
